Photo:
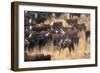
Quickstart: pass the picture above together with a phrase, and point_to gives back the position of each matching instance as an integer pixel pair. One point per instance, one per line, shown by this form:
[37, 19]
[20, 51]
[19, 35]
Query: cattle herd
[39, 35]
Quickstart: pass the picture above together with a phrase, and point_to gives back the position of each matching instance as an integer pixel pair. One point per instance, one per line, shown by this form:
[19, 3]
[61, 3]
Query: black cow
[44, 39]
[87, 34]
[39, 39]
[33, 42]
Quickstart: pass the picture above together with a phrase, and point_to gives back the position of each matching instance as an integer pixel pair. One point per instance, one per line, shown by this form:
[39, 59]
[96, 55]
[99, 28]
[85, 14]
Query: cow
[56, 38]
[40, 27]
[36, 57]
[39, 39]
[44, 38]
[33, 39]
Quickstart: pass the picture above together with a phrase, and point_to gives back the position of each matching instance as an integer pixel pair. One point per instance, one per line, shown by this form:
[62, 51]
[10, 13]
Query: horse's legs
[71, 47]
[60, 44]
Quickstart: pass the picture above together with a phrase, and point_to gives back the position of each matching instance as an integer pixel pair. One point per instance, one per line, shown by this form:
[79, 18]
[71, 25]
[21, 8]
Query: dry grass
[81, 51]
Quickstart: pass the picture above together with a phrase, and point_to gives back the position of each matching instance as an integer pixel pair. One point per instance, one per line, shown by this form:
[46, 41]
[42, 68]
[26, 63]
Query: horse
[71, 39]
[68, 43]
